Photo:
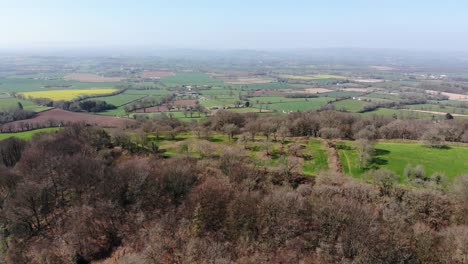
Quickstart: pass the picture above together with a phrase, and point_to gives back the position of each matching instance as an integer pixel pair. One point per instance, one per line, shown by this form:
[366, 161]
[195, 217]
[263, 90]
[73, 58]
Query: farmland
[90, 78]
[189, 78]
[312, 77]
[59, 116]
[254, 128]
[120, 99]
[68, 94]
[396, 156]
[28, 135]
[12, 103]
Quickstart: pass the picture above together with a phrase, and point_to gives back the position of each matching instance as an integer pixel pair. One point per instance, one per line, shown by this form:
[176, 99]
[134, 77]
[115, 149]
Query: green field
[158, 92]
[396, 156]
[27, 135]
[310, 104]
[12, 103]
[319, 160]
[349, 105]
[437, 108]
[119, 99]
[399, 113]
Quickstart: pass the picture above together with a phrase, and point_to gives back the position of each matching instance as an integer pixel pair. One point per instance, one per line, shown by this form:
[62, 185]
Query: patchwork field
[156, 74]
[312, 77]
[68, 94]
[189, 78]
[318, 90]
[91, 78]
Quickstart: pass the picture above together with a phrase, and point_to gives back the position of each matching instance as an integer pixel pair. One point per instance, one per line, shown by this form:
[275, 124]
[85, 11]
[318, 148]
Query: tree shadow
[381, 152]
[439, 147]
[215, 140]
[379, 161]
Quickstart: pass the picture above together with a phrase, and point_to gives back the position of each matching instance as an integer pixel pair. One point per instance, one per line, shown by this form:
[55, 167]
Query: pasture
[68, 95]
[349, 105]
[395, 156]
[120, 99]
[12, 103]
[28, 135]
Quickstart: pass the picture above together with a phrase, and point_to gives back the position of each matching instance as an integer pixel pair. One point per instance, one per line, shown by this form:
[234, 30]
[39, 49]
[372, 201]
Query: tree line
[79, 195]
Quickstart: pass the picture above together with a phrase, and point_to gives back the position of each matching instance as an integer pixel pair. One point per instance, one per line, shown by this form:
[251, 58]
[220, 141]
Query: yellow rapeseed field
[57, 95]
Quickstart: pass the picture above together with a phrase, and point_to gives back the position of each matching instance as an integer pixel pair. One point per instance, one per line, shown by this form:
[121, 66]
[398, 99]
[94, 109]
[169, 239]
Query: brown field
[267, 92]
[164, 108]
[156, 74]
[318, 90]
[368, 80]
[382, 68]
[451, 96]
[62, 116]
[241, 77]
[247, 80]
[359, 90]
[89, 77]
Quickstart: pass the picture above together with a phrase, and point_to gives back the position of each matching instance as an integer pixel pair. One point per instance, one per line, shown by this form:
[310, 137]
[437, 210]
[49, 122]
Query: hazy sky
[235, 24]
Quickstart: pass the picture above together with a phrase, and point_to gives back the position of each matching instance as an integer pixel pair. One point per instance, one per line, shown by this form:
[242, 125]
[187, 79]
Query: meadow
[319, 161]
[28, 135]
[68, 95]
[349, 105]
[395, 156]
[309, 105]
[12, 103]
[120, 99]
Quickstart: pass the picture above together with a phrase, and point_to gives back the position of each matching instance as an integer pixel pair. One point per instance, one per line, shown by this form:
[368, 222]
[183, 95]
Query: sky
[235, 24]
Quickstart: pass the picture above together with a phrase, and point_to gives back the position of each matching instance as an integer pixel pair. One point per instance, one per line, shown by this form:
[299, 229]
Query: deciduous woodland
[144, 194]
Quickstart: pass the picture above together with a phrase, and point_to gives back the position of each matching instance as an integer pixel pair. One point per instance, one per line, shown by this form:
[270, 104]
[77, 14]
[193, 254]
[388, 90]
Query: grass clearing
[396, 156]
[319, 160]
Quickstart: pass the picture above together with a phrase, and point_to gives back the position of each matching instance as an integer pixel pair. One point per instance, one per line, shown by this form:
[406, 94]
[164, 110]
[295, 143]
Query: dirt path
[334, 163]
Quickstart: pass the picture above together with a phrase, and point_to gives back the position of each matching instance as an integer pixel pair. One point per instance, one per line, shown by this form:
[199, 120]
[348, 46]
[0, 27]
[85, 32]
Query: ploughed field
[57, 117]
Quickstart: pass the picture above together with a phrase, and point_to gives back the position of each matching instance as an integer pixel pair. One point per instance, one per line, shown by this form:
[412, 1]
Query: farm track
[334, 163]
